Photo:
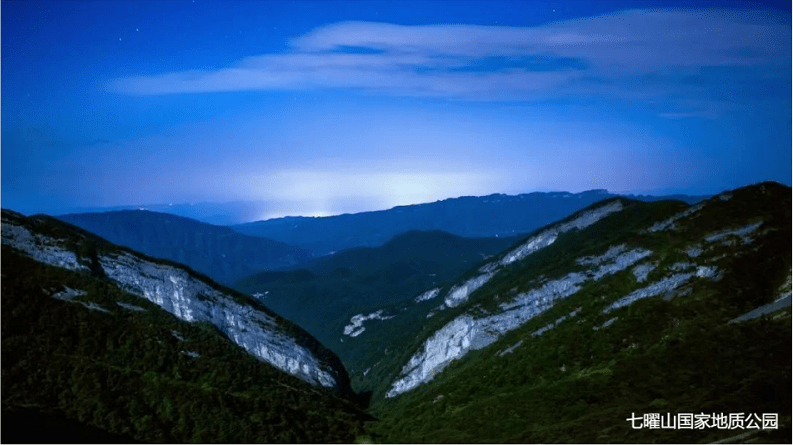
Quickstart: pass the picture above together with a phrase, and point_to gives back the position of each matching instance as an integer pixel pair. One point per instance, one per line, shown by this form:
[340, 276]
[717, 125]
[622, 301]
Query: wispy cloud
[634, 54]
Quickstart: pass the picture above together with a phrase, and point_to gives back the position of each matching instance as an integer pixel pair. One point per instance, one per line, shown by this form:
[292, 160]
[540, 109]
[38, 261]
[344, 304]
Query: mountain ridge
[177, 289]
[217, 251]
[81, 356]
[574, 331]
[466, 216]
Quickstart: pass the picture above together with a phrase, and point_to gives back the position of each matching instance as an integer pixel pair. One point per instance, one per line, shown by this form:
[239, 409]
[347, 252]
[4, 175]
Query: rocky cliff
[180, 291]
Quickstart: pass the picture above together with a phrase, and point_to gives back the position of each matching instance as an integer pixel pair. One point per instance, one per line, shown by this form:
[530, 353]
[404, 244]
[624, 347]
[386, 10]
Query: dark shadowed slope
[216, 251]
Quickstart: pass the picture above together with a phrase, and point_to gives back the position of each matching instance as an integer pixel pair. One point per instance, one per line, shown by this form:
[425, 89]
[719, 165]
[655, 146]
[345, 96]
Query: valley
[621, 307]
[370, 221]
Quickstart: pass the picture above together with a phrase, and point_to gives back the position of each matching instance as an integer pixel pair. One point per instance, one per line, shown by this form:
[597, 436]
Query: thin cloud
[601, 55]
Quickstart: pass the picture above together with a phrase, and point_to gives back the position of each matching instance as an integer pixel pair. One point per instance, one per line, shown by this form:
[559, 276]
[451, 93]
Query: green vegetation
[323, 297]
[579, 382]
[412, 326]
[145, 375]
[573, 385]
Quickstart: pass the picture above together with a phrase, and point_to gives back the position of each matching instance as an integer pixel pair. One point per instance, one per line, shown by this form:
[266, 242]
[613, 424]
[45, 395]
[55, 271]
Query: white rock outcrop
[191, 299]
[355, 328]
[669, 223]
[741, 232]
[429, 295]
[666, 284]
[459, 294]
[41, 248]
[642, 270]
[466, 332]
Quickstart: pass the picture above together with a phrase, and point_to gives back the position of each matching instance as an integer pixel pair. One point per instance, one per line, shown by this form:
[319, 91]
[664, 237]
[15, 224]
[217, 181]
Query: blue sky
[319, 108]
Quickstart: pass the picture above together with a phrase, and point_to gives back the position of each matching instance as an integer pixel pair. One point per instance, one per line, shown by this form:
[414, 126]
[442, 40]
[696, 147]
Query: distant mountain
[216, 213]
[327, 291]
[472, 217]
[619, 311]
[96, 337]
[218, 252]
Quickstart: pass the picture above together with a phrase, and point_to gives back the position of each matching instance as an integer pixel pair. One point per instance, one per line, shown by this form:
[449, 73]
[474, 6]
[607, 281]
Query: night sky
[320, 108]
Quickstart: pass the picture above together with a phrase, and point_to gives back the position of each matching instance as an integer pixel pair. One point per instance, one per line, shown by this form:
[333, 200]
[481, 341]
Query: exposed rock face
[741, 232]
[177, 292]
[659, 287]
[766, 309]
[547, 237]
[670, 284]
[429, 295]
[466, 332]
[555, 323]
[473, 329]
[356, 328]
[68, 294]
[459, 294]
[510, 349]
[642, 270]
[189, 298]
[40, 248]
[669, 224]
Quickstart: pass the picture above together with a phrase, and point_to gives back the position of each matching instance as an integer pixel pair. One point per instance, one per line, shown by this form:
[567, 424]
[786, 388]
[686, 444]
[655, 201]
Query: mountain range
[229, 254]
[467, 216]
[619, 313]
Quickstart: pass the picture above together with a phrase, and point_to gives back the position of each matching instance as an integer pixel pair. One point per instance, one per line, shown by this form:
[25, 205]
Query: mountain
[215, 213]
[471, 217]
[626, 321]
[97, 336]
[621, 310]
[323, 295]
[218, 252]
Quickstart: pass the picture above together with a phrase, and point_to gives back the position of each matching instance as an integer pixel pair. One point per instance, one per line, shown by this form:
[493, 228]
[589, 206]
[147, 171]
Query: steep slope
[432, 249]
[180, 291]
[375, 332]
[626, 307]
[218, 252]
[330, 290]
[467, 216]
[85, 362]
